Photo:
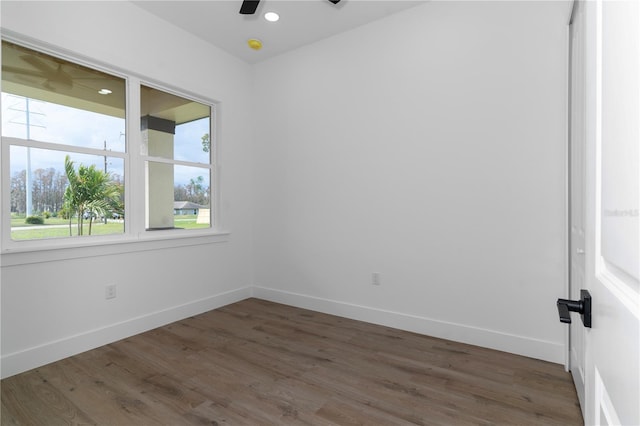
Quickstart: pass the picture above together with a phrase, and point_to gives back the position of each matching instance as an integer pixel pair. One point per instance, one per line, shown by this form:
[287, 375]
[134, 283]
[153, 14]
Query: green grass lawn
[61, 230]
[19, 221]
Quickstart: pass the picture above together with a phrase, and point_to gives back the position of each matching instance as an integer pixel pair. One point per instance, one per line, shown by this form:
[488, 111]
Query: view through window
[64, 134]
[176, 147]
[63, 127]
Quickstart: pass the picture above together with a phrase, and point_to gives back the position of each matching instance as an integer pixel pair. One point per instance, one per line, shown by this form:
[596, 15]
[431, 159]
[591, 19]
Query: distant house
[185, 207]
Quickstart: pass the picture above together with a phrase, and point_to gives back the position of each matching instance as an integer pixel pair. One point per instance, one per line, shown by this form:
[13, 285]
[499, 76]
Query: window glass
[64, 126]
[192, 141]
[187, 121]
[49, 184]
[187, 206]
[177, 146]
[28, 118]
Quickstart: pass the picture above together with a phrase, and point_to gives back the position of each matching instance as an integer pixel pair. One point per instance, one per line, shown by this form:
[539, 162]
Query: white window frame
[213, 187]
[135, 236]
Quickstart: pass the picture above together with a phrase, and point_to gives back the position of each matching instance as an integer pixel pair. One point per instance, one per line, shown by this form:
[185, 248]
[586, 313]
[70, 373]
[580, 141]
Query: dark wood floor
[257, 362]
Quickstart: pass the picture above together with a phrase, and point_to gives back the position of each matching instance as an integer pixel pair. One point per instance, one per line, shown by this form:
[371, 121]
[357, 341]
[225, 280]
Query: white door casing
[577, 191]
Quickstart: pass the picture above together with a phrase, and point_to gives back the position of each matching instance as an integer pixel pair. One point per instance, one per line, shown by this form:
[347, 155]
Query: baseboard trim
[533, 348]
[24, 360]
[27, 359]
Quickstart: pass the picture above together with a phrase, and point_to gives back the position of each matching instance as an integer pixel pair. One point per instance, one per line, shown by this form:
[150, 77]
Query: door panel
[620, 134]
[612, 124]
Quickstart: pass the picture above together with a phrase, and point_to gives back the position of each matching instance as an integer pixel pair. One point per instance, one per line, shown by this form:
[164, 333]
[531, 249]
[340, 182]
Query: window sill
[103, 247]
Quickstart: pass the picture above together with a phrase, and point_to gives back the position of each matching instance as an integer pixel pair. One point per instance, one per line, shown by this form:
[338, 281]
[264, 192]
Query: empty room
[320, 212]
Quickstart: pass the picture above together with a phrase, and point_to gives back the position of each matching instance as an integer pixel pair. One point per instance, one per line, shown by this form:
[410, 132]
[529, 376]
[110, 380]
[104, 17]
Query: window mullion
[51, 146]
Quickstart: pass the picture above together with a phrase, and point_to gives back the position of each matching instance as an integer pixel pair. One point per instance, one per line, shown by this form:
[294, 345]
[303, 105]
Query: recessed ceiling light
[271, 16]
[105, 91]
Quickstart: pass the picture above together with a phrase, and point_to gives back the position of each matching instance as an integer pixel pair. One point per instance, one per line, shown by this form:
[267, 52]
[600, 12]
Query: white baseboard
[533, 348]
[18, 362]
[46, 353]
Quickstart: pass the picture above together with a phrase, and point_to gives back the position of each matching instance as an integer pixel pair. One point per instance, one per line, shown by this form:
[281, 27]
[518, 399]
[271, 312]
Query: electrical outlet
[110, 291]
[375, 278]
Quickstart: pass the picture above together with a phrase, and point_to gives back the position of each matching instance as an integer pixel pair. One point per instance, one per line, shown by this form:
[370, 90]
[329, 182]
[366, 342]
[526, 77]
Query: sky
[70, 126]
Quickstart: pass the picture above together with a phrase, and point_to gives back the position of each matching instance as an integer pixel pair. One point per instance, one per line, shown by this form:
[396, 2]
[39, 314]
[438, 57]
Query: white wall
[428, 147]
[53, 305]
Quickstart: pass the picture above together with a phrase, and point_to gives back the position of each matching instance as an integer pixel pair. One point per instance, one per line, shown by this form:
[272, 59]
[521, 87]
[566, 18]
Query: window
[54, 113]
[67, 157]
[176, 148]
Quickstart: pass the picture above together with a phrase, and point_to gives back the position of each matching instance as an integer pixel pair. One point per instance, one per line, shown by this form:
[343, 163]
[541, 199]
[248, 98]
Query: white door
[607, 356]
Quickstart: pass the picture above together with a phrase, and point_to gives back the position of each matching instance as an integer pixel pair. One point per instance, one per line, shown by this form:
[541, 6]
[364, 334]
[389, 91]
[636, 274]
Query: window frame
[135, 237]
[213, 155]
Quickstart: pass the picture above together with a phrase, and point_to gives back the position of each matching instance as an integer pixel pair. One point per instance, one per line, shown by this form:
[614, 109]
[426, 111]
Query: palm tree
[102, 192]
[71, 193]
[90, 191]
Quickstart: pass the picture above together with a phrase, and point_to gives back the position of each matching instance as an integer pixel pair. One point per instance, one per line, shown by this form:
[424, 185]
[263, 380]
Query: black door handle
[582, 306]
[563, 311]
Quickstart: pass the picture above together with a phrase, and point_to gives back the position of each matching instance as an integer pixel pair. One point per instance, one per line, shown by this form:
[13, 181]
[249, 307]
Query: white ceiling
[301, 21]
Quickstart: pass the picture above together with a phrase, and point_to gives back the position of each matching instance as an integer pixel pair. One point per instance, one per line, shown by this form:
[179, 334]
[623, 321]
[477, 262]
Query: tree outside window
[90, 194]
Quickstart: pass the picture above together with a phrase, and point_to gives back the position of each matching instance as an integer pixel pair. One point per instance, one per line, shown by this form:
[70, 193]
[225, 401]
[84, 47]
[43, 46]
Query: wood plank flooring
[262, 363]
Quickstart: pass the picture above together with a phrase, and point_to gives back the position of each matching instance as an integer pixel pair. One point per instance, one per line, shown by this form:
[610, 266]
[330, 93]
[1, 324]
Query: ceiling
[301, 21]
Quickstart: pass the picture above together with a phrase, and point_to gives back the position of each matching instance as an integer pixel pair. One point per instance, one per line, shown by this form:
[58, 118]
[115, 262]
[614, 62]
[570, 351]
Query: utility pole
[105, 171]
[29, 189]
[28, 179]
